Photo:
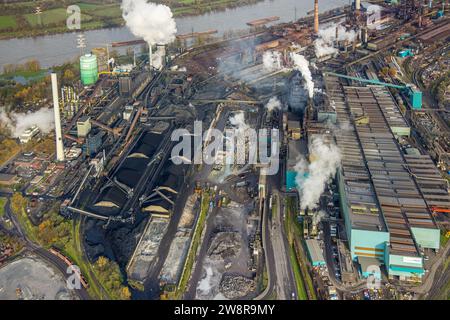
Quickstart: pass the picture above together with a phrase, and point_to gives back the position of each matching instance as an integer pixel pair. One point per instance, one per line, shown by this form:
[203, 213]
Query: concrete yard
[31, 278]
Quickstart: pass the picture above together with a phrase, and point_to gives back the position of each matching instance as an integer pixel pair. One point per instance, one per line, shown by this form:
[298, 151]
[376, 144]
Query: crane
[411, 90]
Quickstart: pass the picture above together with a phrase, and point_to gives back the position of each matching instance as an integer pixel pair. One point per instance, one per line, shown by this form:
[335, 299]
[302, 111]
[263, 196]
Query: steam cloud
[273, 104]
[238, 121]
[272, 61]
[313, 177]
[302, 65]
[150, 21]
[327, 36]
[19, 122]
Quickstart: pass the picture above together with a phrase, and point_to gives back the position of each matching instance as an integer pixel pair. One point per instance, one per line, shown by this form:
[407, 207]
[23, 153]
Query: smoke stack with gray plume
[150, 21]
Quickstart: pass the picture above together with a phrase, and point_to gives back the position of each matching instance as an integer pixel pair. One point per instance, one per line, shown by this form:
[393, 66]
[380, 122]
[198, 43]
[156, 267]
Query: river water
[57, 49]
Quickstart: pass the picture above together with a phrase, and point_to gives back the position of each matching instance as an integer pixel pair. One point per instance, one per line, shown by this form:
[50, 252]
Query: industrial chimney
[358, 5]
[316, 16]
[58, 130]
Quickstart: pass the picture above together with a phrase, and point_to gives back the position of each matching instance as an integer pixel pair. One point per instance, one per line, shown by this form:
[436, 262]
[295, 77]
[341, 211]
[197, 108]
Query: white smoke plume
[19, 122]
[150, 21]
[273, 104]
[238, 121]
[302, 65]
[318, 216]
[323, 48]
[313, 177]
[272, 61]
[327, 36]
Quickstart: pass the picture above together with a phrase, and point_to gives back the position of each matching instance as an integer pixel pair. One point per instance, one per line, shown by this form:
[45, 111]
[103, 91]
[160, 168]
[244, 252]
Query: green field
[302, 294]
[7, 22]
[28, 75]
[2, 206]
[107, 11]
[51, 17]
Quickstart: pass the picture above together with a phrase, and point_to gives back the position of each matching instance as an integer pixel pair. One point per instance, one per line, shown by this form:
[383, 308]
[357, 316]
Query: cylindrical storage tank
[88, 69]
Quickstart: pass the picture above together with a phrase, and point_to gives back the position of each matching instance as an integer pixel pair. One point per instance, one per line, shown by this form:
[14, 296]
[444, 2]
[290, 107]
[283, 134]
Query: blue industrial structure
[411, 90]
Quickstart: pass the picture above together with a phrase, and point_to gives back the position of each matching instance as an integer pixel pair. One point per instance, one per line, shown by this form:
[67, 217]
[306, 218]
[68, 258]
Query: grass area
[302, 294]
[51, 16]
[107, 11]
[444, 239]
[27, 75]
[88, 6]
[187, 270]
[274, 207]
[2, 206]
[7, 22]
[27, 226]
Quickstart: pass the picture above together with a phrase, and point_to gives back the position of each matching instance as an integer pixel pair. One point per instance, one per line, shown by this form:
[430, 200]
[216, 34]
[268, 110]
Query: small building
[93, 143]
[36, 180]
[83, 126]
[29, 134]
[369, 266]
[127, 113]
[8, 179]
[315, 253]
[294, 129]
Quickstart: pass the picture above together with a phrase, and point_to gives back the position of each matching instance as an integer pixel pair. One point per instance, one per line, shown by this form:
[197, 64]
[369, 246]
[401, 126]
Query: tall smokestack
[58, 130]
[316, 16]
[358, 5]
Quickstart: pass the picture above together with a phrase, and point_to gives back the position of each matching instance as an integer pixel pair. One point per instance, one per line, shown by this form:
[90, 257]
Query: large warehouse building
[384, 203]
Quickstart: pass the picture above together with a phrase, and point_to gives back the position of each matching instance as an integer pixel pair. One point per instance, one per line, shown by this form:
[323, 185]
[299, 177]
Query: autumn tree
[18, 203]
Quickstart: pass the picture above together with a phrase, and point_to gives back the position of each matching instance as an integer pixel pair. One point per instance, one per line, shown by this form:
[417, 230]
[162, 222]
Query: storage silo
[88, 69]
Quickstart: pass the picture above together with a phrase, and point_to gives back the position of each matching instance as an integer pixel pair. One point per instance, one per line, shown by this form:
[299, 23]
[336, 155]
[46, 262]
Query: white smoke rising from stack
[313, 177]
[17, 123]
[272, 61]
[324, 45]
[238, 121]
[318, 216]
[273, 104]
[302, 65]
[150, 21]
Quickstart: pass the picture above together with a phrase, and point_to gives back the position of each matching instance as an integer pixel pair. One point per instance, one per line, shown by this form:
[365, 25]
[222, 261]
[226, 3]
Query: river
[57, 49]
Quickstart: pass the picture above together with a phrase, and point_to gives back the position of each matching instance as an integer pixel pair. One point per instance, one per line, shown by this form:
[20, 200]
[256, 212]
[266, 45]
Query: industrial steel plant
[350, 105]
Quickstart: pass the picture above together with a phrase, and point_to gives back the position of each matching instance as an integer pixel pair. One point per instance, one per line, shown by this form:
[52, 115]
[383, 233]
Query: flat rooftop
[361, 198]
[380, 189]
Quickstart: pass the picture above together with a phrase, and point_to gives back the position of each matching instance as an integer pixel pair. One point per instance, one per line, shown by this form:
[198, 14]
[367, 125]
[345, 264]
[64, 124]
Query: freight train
[69, 263]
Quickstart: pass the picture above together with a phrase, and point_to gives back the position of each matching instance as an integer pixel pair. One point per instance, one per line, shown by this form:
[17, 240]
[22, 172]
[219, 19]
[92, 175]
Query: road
[43, 253]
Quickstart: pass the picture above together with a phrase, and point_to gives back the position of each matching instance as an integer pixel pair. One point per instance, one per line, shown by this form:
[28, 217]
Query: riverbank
[93, 17]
